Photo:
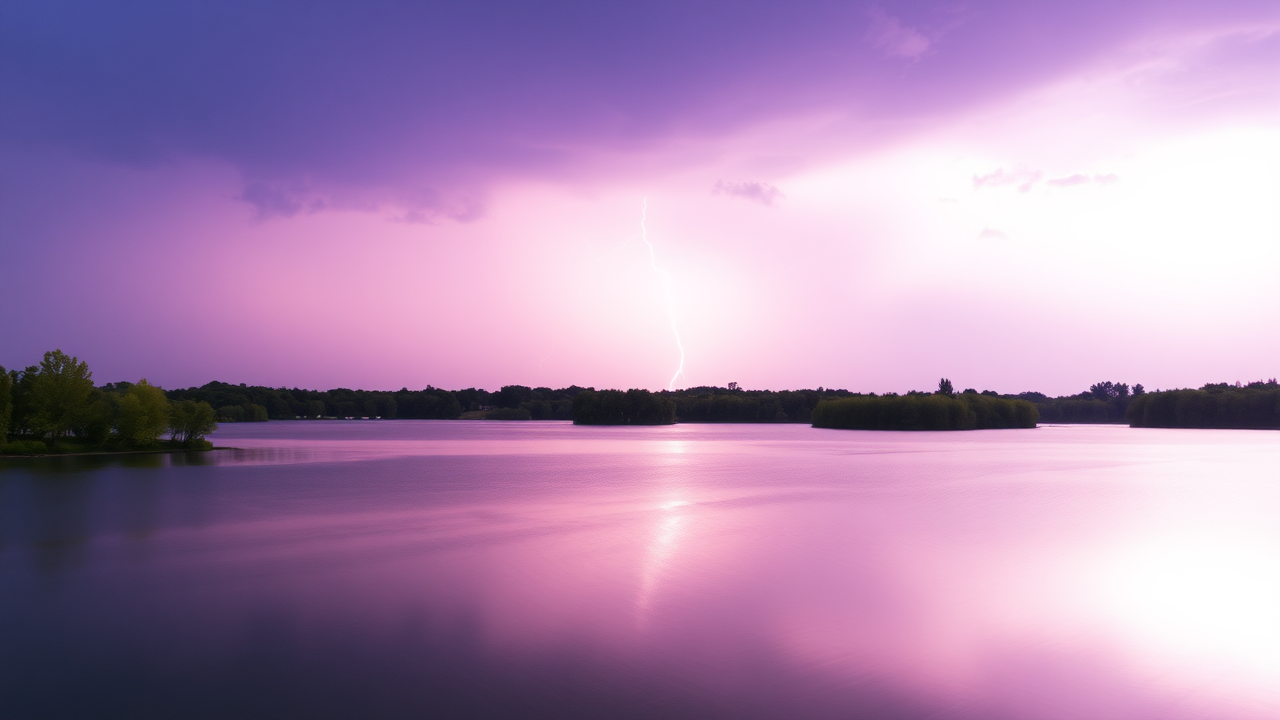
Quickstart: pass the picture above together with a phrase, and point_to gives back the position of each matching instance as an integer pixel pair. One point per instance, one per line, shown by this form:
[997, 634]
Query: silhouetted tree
[944, 387]
[1108, 390]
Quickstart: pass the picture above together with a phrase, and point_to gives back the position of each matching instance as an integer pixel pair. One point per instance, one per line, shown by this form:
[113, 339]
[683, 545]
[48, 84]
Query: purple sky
[860, 195]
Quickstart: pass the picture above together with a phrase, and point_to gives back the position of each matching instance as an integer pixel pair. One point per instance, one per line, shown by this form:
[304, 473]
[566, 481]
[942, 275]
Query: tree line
[1103, 402]
[55, 406]
[247, 403]
[250, 403]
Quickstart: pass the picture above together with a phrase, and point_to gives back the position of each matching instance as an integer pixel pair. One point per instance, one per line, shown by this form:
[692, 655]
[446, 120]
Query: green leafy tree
[60, 394]
[191, 421]
[143, 415]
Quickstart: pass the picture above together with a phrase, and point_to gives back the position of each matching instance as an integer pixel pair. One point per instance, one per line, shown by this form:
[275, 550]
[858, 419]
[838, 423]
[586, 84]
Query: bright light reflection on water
[472, 569]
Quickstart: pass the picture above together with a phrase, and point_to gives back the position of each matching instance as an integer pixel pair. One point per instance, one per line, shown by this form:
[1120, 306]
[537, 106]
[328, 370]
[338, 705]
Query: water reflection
[660, 554]
[541, 570]
[1189, 601]
[60, 520]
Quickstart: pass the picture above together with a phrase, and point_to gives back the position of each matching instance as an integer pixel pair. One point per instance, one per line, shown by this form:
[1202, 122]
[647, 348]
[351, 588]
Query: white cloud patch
[989, 233]
[756, 192]
[1023, 179]
[888, 35]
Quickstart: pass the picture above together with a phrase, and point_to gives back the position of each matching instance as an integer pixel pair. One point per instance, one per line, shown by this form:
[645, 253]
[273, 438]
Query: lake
[398, 569]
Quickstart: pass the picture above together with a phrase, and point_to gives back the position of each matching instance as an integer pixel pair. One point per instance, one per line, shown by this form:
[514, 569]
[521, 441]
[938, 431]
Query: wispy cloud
[890, 36]
[1023, 179]
[428, 206]
[756, 192]
[1081, 179]
[989, 233]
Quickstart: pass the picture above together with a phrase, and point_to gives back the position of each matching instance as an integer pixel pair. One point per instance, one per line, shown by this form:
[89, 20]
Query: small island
[941, 410]
[615, 407]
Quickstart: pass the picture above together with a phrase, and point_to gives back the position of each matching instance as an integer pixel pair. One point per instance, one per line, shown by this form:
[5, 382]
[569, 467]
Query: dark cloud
[757, 192]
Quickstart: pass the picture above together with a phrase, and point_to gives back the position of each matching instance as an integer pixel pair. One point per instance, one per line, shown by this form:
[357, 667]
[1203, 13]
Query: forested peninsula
[54, 407]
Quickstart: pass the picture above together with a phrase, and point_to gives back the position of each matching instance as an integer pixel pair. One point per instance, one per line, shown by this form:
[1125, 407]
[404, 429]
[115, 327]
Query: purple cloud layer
[426, 104]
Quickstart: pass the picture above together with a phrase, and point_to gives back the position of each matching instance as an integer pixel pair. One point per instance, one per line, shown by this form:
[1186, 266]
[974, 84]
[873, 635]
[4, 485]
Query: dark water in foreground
[470, 569]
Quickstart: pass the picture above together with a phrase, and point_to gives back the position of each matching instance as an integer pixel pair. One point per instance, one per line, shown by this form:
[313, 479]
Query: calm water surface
[402, 569]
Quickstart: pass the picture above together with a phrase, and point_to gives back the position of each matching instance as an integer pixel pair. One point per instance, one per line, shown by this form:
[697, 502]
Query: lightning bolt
[666, 284]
